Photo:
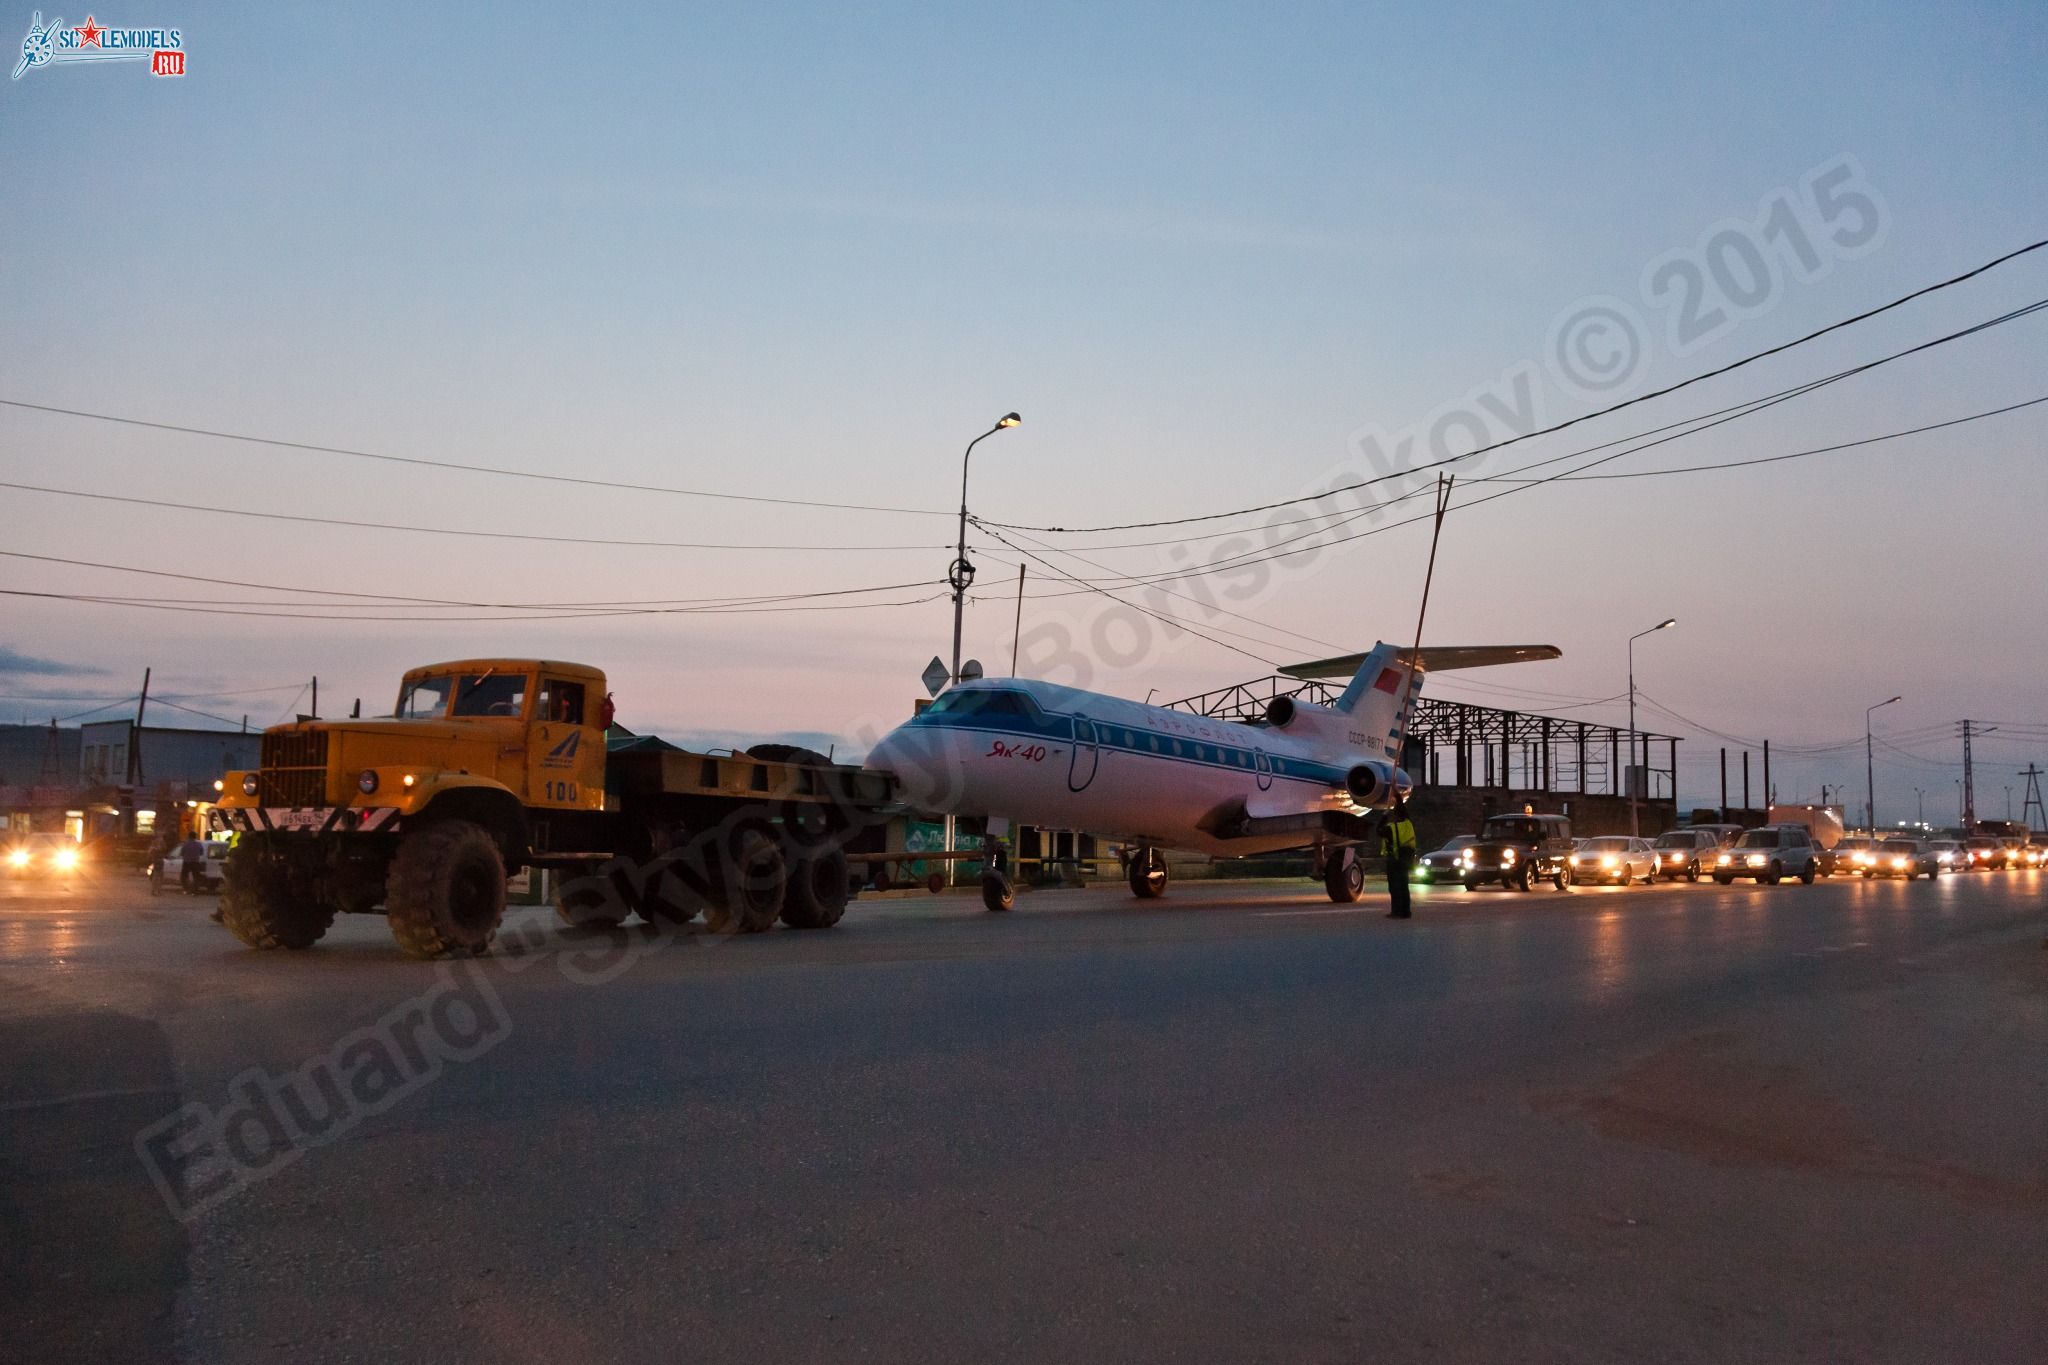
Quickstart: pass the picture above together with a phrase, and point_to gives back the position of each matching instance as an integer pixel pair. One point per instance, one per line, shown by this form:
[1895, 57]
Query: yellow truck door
[565, 752]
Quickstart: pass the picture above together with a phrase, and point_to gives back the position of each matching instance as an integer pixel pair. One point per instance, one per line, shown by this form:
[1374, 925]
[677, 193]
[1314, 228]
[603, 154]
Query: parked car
[1519, 851]
[1906, 858]
[1848, 857]
[1687, 853]
[169, 872]
[1443, 864]
[43, 855]
[1770, 854]
[1618, 858]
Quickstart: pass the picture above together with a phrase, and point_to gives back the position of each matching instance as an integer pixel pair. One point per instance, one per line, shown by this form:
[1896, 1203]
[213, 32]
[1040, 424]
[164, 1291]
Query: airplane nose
[922, 763]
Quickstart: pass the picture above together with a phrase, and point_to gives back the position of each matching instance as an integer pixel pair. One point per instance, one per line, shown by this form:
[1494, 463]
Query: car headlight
[1673, 858]
[1575, 860]
[18, 858]
[367, 783]
[65, 859]
[248, 784]
[1898, 862]
[1755, 860]
[1609, 860]
[1723, 860]
[1507, 857]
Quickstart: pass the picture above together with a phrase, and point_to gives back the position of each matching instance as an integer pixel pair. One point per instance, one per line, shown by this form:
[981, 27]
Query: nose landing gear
[1148, 874]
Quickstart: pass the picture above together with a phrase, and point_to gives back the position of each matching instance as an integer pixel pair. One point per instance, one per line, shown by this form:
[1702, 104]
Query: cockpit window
[979, 701]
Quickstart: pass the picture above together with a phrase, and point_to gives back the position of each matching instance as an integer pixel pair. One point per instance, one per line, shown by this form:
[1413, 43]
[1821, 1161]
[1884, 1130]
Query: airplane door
[1264, 766]
[1087, 754]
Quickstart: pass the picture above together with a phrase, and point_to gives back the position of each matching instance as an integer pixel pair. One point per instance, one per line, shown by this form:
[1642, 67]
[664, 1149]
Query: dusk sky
[1214, 255]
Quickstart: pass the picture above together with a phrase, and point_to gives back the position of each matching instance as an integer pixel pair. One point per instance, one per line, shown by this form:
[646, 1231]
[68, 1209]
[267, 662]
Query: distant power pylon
[2032, 815]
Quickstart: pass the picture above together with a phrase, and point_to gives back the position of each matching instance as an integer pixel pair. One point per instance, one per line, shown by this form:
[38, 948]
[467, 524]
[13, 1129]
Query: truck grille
[294, 771]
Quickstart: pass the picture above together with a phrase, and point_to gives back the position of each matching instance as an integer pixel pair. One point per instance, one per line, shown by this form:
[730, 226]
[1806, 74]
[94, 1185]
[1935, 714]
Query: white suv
[1770, 854]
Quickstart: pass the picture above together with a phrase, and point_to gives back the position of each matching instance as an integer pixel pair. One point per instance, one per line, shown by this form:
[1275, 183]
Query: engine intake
[1279, 712]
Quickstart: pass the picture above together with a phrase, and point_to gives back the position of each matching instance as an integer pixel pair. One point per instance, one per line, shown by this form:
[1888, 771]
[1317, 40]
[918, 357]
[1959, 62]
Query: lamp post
[1635, 823]
[961, 573]
[1869, 772]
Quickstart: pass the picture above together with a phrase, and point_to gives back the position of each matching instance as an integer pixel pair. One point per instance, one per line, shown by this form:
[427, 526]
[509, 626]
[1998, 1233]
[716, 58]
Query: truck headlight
[1507, 857]
[65, 859]
[248, 784]
[367, 783]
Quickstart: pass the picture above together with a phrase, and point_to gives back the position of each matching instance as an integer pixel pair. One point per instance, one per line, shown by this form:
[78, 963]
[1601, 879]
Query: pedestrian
[1397, 844]
[191, 866]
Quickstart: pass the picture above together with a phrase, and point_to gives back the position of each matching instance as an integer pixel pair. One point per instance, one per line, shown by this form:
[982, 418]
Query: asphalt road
[1682, 1124]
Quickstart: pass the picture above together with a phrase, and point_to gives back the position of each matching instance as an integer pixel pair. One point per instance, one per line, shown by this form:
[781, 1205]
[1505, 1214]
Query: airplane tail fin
[1380, 695]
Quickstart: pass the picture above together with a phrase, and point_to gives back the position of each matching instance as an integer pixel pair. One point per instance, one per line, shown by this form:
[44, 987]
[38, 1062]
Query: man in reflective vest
[1397, 845]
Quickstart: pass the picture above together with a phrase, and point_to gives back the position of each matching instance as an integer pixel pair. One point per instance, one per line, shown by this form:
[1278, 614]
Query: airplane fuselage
[1057, 757]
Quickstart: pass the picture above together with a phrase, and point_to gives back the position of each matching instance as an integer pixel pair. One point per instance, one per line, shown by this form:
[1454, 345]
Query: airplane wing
[1435, 659]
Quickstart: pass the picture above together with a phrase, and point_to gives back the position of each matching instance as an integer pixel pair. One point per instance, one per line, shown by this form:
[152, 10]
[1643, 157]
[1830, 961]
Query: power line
[1571, 422]
[445, 530]
[1522, 486]
[501, 472]
[392, 598]
[293, 615]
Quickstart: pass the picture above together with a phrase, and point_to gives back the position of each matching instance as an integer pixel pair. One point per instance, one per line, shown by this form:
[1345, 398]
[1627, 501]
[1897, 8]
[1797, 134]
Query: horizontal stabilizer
[1435, 659]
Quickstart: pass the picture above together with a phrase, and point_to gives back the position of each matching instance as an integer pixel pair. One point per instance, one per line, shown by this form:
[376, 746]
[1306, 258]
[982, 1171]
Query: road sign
[935, 675]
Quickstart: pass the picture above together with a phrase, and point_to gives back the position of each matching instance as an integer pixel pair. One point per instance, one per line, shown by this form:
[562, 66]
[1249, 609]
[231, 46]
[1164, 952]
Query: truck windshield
[479, 694]
[424, 699]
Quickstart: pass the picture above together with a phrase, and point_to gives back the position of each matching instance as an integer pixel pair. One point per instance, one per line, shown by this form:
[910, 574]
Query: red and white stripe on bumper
[306, 819]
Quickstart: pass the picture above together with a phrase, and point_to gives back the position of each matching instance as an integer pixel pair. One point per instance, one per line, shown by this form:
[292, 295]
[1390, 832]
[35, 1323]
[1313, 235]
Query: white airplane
[1303, 776]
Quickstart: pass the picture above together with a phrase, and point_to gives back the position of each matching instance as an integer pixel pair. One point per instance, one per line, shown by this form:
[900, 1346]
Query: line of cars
[1526, 850]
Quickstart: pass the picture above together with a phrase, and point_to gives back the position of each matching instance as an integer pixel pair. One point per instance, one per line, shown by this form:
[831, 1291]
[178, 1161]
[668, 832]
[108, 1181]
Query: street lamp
[1869, 777]
[1635, 824]
[961, 574]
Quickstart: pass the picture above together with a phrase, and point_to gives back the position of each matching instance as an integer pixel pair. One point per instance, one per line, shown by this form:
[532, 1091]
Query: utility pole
[1920, 803]
[1770, 792]
[1870, 769]
[316, 698]
[2039, 818]
[134, 773]
[1969, 785]
[1724, 784]
[960, 574]
[1745, 782]
[1630, 775]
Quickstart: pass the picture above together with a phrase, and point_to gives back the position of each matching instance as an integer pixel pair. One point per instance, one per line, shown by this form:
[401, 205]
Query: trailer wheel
[258, 906]
[756, 875]
[447, 890]
[816, 895]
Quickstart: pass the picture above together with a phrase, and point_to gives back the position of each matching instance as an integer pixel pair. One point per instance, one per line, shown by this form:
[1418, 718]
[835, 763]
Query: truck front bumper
[306, 819]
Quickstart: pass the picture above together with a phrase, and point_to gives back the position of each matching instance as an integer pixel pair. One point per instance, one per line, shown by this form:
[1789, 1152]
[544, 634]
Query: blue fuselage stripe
[1113, 738]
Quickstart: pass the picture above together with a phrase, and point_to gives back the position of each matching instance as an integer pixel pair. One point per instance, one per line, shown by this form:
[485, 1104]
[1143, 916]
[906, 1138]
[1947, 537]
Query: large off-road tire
[816, 895]
[755, 874]
[260, 907]
[1148, 874]
[446, 893]
[1344, 876]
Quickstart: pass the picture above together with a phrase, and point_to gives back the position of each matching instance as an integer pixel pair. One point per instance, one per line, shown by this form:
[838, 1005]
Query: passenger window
[561, 702]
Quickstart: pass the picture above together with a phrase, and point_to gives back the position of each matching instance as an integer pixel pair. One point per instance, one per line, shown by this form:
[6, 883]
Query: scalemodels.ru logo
[56, 45]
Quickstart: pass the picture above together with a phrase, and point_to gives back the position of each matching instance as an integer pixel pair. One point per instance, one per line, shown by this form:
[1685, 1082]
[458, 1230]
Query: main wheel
[1148, 874]
[815, 897]
[756, 875]
[1344, 875]
[997, 893]
[446, 892]
[260, 906]
[1525, 880]
[1809, 872]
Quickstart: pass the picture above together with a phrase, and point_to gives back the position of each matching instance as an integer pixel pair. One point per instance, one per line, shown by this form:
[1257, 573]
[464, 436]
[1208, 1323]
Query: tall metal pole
[961, 574]
[1635, 823]
[1017, 631]
[1869, 770]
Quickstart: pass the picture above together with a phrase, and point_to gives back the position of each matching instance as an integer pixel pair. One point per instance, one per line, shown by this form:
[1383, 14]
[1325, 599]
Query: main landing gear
[1344, 875]
[1148, 874]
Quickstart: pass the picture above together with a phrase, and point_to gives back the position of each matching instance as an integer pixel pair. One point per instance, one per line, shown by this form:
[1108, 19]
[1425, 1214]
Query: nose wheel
[1148, 874]
[1344, 875]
